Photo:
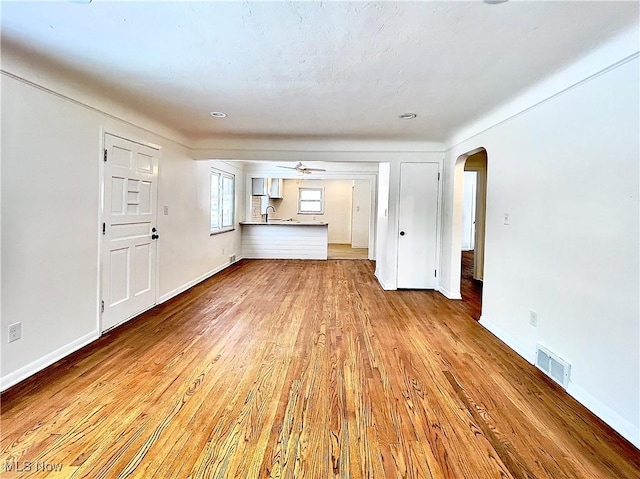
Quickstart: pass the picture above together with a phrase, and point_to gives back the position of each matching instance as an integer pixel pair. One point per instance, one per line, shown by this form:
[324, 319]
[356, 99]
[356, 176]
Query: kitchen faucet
[266, 213]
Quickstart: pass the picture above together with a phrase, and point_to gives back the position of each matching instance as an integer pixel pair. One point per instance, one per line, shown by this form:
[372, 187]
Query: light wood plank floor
[345, 251]
[304, 369]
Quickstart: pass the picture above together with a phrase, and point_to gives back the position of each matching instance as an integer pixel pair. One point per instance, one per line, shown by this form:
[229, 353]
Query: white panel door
[129, 233]
[418, 225]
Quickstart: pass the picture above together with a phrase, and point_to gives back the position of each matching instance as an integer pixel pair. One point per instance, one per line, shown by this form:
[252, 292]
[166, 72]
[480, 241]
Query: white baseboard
[449, 294]
[382, 283]
[509, 340]
[628, 430]
[623, 427]
[38, 365]
[23, 373]
[190, 284]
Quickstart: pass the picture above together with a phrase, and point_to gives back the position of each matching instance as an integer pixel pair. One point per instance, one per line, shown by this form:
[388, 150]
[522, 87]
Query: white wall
[337, 206]
[188, 253]
[567, 172]
[50, 204]
[383, 272]
[51, 166]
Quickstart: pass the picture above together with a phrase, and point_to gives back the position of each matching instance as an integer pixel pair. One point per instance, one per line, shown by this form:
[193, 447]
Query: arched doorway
[473, 166]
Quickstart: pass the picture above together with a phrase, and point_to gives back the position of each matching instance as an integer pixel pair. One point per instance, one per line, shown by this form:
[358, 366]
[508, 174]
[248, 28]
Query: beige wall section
[477, 160]
[337, 206]
[361, 214]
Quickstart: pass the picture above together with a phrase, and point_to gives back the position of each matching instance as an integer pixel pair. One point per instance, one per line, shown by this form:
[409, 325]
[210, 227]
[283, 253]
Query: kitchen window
[222, 201]
[310, 201]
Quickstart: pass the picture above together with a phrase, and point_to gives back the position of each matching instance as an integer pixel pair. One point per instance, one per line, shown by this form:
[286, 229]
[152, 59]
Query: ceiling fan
[300, 168]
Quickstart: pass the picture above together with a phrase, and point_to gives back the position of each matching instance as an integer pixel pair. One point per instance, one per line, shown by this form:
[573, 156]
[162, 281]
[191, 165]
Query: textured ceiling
[314, 69]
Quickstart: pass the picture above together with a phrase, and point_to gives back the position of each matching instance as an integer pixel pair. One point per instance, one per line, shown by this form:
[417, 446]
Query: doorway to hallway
[474, 198]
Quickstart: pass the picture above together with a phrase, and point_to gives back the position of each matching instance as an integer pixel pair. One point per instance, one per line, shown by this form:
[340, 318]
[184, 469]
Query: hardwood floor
[470, 289]
[303, 369]
[345, 251]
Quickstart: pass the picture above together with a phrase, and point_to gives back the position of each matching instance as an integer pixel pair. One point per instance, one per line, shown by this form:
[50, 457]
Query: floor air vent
[554, 367]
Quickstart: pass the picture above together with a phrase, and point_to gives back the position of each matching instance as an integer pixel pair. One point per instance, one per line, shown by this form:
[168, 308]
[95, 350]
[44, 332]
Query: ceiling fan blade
[287, 167]
[314, 169]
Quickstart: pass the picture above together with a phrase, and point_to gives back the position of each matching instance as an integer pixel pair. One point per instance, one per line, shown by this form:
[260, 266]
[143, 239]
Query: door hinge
[102, 306]
[105, 154]
[104, 228]
[438, 174]
[435, 272]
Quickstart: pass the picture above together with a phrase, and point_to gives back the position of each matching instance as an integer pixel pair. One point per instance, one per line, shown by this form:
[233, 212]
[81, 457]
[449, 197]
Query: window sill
[213, 233]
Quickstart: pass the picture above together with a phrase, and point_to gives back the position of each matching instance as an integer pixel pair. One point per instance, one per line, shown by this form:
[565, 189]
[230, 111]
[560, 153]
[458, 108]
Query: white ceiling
[314, 69]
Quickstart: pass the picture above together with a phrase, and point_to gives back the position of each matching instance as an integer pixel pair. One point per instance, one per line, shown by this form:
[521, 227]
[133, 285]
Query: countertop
[285, 223]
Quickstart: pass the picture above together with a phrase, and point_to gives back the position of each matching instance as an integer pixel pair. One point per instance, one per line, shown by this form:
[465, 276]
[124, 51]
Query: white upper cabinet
[259, 187]
[276, 187]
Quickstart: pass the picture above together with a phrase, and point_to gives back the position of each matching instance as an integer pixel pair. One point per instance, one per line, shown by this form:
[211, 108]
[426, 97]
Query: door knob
[153, 230]
[154, 236]
[401, 233]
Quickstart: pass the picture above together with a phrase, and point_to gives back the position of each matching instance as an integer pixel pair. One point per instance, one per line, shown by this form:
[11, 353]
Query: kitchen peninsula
[284, 239]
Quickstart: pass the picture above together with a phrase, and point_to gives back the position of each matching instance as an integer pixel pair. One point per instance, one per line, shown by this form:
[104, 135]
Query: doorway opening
[472, 247]
[359, 229]
[346, 205]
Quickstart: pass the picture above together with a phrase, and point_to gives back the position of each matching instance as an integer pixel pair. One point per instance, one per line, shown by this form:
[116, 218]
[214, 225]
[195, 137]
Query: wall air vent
[232, 259]
[553, 366]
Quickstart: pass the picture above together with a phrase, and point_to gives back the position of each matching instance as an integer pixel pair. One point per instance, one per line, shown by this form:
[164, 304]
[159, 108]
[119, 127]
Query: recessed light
[408, 116]
[495, 2]
[218, 114]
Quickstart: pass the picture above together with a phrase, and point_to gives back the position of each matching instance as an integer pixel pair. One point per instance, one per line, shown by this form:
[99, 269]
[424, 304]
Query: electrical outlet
[166, 210]
[506, 219]
[533, 318]
[15, 332]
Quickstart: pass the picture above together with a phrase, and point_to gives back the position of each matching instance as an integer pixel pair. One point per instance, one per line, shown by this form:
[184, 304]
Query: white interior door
[418, 225]
[129, 215]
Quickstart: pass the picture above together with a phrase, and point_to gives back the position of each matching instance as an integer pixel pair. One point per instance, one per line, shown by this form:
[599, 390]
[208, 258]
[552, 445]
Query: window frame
[301, 189]
[221, 175]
